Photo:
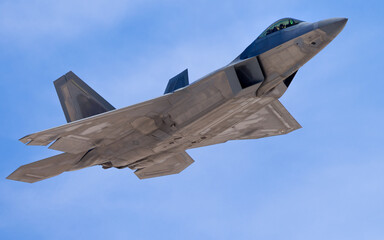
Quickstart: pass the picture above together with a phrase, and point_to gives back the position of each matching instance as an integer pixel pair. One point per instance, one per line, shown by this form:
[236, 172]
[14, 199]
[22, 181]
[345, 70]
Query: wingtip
[25, 139]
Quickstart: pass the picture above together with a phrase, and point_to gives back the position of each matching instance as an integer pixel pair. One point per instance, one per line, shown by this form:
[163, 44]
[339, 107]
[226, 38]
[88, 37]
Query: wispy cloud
[36, 20]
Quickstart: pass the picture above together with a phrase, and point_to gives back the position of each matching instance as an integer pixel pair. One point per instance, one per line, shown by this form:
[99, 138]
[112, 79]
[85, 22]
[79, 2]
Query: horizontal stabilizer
[45, 168]
[179, 81]
[172, 164]
[77, 99]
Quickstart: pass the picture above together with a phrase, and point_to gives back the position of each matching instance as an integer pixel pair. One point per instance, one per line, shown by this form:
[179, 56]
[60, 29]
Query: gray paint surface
[238, 101]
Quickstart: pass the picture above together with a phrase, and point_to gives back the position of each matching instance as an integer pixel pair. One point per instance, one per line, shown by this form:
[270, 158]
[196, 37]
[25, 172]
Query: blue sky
[324, 181]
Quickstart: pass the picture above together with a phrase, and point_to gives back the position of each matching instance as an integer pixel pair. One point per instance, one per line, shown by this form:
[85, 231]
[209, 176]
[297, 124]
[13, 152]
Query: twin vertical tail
[179, 81]
[80, 101]
[77, 99]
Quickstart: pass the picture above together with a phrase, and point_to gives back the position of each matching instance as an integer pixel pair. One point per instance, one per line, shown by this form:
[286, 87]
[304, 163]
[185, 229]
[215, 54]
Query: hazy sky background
[324, 181]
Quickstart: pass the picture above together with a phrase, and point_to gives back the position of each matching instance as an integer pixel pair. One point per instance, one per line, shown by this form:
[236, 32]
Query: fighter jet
[237, 101]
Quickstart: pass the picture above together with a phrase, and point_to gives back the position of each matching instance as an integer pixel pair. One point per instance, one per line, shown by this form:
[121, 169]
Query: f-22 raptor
[237, 101]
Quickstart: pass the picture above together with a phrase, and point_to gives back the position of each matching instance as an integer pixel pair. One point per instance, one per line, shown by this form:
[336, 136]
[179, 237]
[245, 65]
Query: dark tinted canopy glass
[279, 25]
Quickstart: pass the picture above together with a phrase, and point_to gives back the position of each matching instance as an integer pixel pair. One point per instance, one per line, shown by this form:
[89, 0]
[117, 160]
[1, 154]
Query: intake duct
[249, 72]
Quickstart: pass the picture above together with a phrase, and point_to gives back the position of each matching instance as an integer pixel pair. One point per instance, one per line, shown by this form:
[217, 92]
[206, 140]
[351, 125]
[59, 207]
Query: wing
[274, 119]
[78, 137]
[45, 168]
[167, 165]
[102, 129]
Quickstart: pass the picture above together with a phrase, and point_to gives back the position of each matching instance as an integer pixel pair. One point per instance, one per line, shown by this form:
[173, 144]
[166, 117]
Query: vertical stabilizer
[179, 81]
[77, 99]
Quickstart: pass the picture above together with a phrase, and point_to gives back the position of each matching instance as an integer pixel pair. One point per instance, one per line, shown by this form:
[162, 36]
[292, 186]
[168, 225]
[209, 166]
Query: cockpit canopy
[279, 25]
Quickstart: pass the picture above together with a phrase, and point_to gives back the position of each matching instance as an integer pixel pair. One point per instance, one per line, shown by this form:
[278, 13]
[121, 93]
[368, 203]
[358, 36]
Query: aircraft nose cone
[332, 26]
